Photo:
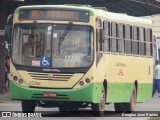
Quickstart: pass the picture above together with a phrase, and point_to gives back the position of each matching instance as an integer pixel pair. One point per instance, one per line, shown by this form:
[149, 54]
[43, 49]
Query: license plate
[49, 94]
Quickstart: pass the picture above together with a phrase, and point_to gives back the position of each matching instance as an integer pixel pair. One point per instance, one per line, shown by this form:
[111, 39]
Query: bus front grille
[50, 76]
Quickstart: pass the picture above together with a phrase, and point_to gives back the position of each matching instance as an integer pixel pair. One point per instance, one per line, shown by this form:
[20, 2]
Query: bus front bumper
[87, 93]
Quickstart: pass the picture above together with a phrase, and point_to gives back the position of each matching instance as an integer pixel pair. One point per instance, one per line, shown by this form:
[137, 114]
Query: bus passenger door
[99, 57]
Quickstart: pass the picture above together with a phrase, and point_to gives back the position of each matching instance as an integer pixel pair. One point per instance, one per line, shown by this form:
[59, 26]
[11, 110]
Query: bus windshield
[52, 45]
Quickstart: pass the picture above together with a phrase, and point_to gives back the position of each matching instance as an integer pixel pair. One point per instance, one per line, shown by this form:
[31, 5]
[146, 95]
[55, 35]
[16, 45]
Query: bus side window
[99, 35]
[138, 38]
[121, 36]
[135, 41]
[128, 38]
[149, 42]
[106, 36]
[114, 34]
[141, 41]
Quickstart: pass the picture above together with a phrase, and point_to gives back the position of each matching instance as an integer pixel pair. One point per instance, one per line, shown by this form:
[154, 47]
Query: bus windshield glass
[53, 45]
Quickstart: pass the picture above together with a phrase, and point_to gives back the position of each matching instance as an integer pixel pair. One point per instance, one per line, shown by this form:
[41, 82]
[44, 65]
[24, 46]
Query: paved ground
[151, 105]
[4, 97]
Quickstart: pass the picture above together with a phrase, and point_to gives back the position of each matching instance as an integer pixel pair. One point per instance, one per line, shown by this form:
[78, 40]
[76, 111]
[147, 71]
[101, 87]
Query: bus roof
[99, 12]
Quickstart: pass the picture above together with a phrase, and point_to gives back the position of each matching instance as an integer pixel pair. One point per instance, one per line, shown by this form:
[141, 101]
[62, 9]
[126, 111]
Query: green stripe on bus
[117, 92]
[121, 92]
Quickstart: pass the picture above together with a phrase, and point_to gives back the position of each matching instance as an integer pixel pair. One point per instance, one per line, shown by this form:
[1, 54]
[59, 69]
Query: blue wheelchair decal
[45, 61]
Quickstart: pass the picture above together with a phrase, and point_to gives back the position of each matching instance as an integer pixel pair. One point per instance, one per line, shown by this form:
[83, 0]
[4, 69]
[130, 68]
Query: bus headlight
[15, 78]
[87, 80]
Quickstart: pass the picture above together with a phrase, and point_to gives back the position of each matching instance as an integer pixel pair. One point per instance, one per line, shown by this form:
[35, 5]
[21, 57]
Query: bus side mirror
[8, 29]
[8, 33]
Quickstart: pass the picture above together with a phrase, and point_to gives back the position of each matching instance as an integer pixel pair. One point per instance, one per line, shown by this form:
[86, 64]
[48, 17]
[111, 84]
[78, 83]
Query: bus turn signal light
[81, 83]
[20, 81]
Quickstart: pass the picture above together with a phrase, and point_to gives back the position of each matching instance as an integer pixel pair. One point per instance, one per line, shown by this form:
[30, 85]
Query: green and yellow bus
[80, 56]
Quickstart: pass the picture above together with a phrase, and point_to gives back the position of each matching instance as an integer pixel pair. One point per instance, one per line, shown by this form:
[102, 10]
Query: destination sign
[54, 14]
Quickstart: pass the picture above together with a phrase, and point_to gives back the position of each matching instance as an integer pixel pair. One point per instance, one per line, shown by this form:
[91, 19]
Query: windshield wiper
[42, 37]
[61, 39]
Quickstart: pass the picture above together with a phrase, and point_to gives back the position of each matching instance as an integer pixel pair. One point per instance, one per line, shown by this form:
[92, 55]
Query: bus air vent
[50, 76]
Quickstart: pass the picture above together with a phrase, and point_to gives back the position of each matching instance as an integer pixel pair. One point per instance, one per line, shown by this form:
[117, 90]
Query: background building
[156, 26]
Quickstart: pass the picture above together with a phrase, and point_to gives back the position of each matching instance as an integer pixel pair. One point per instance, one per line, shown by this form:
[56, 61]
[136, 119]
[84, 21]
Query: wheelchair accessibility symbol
[45, 61]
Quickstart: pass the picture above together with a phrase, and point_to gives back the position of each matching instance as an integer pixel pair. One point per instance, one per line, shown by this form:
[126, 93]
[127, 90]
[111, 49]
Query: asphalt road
[152, 105]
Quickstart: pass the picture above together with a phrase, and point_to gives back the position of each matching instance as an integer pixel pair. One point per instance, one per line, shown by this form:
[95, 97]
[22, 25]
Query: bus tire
[130, 107]
[73, 109]
[119, 107]
[68, 109]
[99, 108]
[63, 109]
[28, 106]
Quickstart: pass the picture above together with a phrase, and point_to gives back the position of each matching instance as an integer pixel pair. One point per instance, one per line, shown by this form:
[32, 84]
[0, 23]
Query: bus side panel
[114, 74]
[145, 84]
[121, 74]
[144, 92]
[115, 92]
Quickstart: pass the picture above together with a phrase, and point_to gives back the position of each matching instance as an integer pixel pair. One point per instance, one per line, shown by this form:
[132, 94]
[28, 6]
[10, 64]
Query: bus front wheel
[99, 108]
[68, 108]
[28, 106]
